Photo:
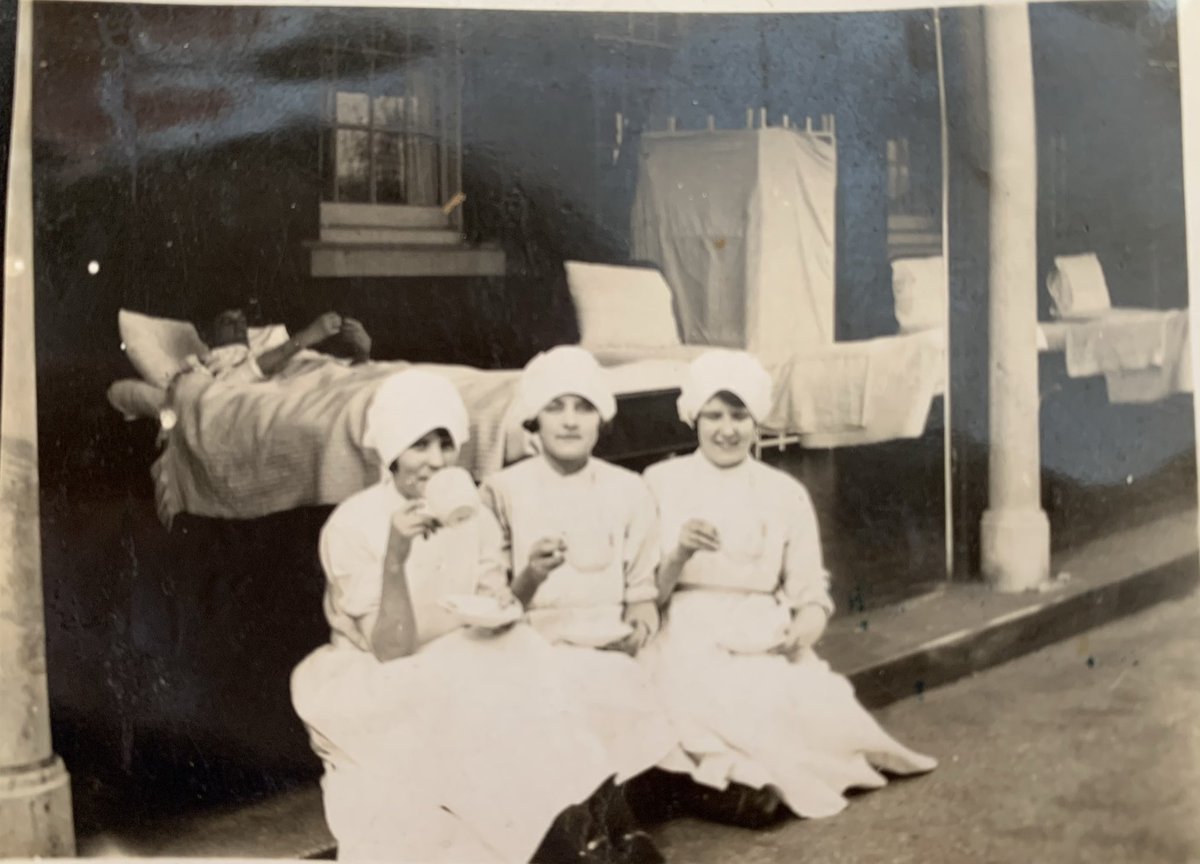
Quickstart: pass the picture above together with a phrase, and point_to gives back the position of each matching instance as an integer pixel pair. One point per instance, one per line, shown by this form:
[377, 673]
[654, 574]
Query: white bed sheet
[845, 394]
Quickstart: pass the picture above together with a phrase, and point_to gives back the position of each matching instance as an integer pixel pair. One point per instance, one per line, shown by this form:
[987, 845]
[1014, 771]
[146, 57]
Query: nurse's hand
[643, 618]
[807, 627]
[414, 520]
[698, 535]
[546, 556]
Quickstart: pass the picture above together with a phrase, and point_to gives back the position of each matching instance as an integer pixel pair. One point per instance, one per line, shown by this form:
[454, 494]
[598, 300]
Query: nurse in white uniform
[440, 742]
[581, 538]
[762, 719]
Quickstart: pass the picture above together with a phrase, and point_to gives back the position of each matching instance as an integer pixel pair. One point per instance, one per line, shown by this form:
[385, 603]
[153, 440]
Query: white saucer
[479, 610]
[597, 634]
[751, 643]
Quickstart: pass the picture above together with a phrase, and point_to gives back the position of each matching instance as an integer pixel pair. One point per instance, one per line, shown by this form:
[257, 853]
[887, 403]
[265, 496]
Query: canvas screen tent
[742, 224]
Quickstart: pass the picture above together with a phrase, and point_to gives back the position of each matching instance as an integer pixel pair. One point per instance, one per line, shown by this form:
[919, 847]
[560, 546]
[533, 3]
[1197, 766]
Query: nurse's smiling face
[725, 430]
[412, 469]
[569, 428]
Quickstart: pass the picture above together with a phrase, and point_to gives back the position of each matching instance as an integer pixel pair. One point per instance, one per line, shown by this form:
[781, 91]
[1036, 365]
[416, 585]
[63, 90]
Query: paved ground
[1088, 751]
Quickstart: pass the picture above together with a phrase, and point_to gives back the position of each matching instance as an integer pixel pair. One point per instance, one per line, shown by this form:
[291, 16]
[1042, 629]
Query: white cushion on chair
[920, 293]
[621, 306]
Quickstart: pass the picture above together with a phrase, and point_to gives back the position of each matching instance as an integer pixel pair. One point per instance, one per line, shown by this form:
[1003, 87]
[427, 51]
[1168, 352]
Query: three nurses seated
[503, 661]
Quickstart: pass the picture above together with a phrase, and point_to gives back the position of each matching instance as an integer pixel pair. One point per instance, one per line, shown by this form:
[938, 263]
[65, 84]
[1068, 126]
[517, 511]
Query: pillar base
[1016, 549]
[35, 811]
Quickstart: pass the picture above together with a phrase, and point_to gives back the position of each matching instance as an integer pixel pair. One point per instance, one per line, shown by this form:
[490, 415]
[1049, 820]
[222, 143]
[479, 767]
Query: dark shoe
[637, 848]
[611, 812]
[574, 838]
[736, 805]
[654, 797]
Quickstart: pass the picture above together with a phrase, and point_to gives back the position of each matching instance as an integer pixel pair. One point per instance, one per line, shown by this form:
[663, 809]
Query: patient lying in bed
[230, 357]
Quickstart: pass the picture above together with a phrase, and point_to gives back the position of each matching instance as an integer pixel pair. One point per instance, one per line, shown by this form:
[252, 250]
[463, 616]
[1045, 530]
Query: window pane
[423, 171]
[353, 108]
[389, 169]
[389, 111]
[352, 165]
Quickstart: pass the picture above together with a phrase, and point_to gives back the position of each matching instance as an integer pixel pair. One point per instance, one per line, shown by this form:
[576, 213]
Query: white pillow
[135, 398]
[920, 293]
[1077, 287]
[616, 305]
[157, 347]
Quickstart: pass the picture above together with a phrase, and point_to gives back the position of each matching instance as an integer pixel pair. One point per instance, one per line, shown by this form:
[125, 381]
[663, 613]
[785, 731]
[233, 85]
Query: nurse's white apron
[466, 750]
[612, 689]
[749, 715]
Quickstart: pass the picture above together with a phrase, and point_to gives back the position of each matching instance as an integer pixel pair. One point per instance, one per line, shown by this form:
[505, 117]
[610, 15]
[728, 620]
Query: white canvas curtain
[741, 222]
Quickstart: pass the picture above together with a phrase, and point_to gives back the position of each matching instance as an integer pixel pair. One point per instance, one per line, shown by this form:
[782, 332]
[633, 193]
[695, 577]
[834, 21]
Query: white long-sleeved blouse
[461, 559]
[768, 529]
[605, 514]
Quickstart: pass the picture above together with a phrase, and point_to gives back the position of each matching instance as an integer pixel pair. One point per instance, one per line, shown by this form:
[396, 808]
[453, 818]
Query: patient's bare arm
[270, 362]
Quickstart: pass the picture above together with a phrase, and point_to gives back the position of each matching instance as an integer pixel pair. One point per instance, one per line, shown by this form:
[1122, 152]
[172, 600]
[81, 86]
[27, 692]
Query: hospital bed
[245, 450]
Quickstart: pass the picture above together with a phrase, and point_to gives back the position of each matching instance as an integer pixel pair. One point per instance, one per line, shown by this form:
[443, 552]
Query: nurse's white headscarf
[408, 406]
[567, 370]
[730, 371]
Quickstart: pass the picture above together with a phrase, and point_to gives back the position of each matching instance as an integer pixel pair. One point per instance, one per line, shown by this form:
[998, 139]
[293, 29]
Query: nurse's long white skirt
[464, 751]
[612, 690]
[762, 719]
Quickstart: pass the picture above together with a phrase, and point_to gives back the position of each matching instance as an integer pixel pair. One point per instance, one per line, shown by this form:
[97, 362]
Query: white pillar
[1015, 530]
[35, 793]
